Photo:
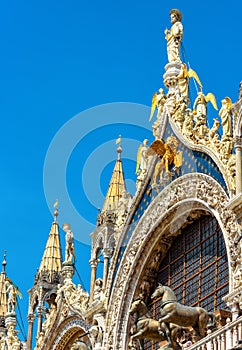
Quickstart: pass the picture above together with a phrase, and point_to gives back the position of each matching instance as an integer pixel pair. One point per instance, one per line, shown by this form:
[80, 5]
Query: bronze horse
[173, 312]
[147, 328]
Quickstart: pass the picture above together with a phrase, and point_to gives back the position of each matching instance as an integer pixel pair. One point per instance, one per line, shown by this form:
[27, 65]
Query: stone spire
[51, 262]
[116, 186]
[46, 281]
[3, 293]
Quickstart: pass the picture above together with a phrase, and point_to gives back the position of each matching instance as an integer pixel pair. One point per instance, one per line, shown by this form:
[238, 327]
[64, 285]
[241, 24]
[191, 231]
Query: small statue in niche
[188, 125]
[98, 290]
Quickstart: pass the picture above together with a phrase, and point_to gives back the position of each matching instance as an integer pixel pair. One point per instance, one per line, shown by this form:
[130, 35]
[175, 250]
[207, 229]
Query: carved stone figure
[173, 312]
[12, 340]
[179, 115]
[225, 114]
[69, 251]
[231, 171]
[183, 79]
[79, 299]
[40, 339]
[11, 297]
[142, 163]
[96, 336]
[161, 100]
[200, 104]
[201, 131]
[142, 159]
[214, 136]
[174, 36]
[66, 291]
[188, 125]
[49, 317]
[2, 341]
[98, 290]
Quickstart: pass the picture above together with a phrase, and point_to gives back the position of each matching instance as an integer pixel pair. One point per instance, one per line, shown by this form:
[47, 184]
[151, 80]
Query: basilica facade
[172, 266]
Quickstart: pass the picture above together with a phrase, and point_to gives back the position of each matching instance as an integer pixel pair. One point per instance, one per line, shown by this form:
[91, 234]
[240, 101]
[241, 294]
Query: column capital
[41, 309]
[107, 252]
[238, 142]
[31, 318]
[93, 262]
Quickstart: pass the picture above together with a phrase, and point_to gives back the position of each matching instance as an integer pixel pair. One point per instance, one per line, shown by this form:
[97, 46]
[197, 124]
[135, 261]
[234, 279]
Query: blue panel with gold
[174, 160]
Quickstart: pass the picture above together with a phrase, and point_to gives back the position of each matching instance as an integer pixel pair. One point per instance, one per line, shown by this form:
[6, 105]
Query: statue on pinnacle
[174, 36]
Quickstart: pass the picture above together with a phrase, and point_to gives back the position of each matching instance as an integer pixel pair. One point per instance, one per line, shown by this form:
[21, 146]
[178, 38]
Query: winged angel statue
[168, 155]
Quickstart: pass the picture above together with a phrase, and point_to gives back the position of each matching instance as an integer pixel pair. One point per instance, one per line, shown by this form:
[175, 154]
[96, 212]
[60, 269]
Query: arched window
[196, 268]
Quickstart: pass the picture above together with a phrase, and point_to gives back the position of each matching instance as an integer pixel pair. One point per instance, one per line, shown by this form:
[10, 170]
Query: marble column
[93, 264]
[238, 151]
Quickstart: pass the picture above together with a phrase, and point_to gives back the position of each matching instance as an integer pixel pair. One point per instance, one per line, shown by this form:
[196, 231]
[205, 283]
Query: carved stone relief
[169, 210]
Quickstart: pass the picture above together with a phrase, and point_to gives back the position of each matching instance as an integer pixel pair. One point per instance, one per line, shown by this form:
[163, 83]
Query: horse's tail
[213, 319]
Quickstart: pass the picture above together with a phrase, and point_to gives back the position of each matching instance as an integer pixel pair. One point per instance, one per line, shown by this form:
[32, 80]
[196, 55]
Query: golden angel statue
[174, 36]
[169, 155]
[200, 104]
[226, 117]
[184, 77]
[158, 101]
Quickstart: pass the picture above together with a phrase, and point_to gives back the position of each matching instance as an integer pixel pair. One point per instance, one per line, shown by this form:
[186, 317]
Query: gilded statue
[158, 100]
[200, 104]
[174, 36]
[168, 154]
[226, 117]
[183, 79]
[186, 316]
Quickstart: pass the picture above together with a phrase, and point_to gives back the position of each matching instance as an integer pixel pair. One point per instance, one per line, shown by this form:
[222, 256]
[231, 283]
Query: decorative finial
[119, 149]
[56, 213]
[4, 263]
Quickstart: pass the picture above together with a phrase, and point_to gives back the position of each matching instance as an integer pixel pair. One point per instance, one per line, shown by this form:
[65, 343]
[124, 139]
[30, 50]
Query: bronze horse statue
[146, 327]
[173, 312]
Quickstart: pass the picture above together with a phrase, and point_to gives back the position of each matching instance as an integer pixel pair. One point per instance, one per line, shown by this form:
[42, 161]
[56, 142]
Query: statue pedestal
[170, 77]
[68, 270]
[10, 320]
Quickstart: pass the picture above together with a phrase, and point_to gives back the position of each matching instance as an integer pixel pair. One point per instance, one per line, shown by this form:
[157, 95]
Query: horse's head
[136, 306]
[158, 292]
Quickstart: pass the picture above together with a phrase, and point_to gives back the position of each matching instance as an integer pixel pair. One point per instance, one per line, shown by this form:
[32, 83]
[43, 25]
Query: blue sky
[59, 58]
